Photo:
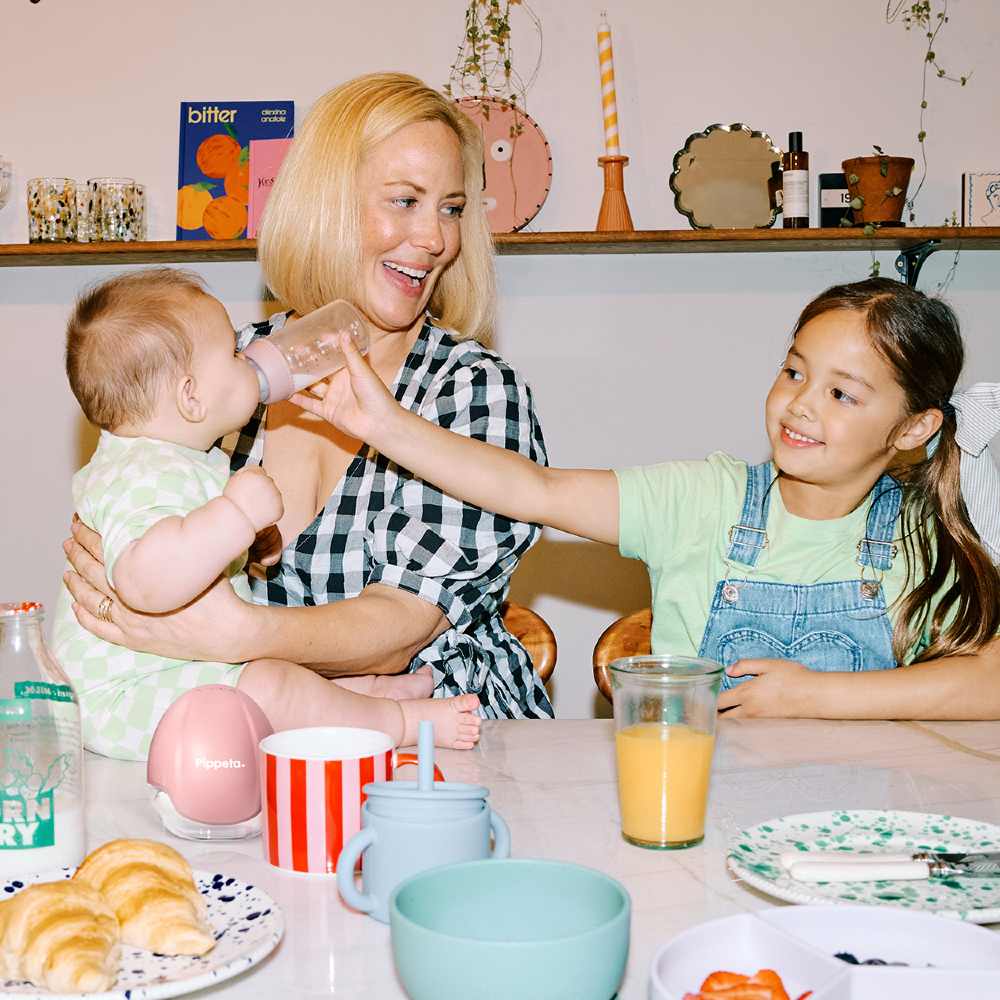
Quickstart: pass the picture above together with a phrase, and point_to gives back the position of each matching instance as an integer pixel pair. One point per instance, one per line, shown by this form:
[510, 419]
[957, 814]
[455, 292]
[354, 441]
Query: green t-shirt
[676, 517]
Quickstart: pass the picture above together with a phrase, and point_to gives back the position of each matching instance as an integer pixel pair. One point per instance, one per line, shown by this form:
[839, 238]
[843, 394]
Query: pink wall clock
[518, 164]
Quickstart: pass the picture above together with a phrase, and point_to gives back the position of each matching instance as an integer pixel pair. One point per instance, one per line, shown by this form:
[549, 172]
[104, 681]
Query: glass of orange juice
[665, 708]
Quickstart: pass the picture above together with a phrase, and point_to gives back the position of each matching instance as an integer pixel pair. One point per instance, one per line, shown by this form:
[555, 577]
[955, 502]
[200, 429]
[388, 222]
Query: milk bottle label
[42, 689]
[35, 725]
[27, 810]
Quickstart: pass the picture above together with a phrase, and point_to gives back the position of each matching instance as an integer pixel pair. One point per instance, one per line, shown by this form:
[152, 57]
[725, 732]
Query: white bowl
[799, 943]
[743, 943]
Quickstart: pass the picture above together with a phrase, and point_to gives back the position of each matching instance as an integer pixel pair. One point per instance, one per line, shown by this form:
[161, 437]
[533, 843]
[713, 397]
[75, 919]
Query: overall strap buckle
[761, 543]
[882, 557]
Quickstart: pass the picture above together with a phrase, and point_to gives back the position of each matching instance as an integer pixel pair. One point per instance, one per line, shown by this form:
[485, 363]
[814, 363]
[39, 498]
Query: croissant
[151, 889]
[60, 935]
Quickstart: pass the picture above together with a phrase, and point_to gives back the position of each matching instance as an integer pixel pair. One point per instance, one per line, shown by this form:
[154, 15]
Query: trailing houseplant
[484, 66]
[878, 183]
[930, 17]
[877, 186]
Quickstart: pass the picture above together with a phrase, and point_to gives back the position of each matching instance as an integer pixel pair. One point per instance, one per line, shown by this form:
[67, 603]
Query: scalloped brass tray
[720, 178]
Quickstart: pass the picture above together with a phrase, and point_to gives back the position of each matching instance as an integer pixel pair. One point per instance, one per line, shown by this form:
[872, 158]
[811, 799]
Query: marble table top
[554, 783]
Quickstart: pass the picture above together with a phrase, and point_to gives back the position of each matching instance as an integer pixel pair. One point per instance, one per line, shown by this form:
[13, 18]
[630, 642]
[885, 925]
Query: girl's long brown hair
[919, 338]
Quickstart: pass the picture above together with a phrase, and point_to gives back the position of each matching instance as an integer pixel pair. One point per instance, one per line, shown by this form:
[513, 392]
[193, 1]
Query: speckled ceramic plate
[754, 855]
[247, 925]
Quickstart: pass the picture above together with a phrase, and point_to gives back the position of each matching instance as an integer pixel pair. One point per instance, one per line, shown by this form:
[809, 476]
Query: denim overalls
[826, 626]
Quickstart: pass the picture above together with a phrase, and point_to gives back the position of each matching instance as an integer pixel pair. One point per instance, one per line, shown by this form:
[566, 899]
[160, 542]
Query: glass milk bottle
[41, 753]
[306, 350]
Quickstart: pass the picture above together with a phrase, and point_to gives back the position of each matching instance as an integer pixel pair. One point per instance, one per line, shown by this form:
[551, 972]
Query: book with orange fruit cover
[213, 174]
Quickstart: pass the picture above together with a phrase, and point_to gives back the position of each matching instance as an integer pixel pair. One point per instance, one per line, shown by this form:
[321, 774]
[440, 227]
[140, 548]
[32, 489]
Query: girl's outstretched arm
[583, 502]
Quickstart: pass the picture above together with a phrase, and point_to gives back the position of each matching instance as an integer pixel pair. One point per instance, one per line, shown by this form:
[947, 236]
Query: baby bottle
[41, 753]
[305, 351]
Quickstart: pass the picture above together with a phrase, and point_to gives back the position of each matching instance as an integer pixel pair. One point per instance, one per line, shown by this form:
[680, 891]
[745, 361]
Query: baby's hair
[126, 339]
[919, 338]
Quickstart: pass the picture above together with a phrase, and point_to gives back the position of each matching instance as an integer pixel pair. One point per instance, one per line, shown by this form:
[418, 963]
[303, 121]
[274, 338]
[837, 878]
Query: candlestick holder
[614, 216]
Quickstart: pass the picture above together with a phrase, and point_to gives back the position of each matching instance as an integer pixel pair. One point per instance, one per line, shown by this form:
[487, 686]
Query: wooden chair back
[533, 632]
[628, 636]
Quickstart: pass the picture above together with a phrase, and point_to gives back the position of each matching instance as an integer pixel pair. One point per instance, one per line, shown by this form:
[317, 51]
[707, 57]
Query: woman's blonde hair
[310, 241]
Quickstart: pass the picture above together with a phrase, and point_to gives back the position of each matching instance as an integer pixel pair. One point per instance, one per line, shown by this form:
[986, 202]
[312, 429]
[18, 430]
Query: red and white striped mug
[311, 783]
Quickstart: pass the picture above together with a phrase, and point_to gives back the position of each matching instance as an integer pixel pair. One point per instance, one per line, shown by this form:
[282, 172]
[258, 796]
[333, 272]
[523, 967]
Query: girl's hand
[209, 628]
[779, 689]
[354, 400]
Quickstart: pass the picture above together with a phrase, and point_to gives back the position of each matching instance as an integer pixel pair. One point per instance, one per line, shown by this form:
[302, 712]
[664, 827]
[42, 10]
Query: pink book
[266, 156]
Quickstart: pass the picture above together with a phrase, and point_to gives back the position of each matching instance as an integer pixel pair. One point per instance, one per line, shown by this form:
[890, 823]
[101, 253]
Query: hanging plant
[517, 165]
[930, 17]
[484, 66]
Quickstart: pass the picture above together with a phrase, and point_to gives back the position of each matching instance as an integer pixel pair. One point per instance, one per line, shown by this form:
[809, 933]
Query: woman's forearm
[377, 632]
[953, 687]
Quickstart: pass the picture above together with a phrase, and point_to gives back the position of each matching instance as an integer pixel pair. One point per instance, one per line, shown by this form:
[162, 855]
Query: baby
[151, 359]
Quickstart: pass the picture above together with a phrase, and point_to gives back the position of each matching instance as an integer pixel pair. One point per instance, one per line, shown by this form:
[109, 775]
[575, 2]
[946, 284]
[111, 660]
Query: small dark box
[834, 200]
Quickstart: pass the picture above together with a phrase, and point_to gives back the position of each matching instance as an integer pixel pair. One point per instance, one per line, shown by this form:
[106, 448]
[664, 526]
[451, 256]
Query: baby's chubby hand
[254, 492]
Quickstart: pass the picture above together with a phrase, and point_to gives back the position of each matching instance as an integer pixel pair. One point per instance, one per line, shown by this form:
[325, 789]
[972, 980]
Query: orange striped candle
[608, 102]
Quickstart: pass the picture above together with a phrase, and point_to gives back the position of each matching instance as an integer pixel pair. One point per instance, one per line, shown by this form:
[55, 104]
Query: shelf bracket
[911, 259]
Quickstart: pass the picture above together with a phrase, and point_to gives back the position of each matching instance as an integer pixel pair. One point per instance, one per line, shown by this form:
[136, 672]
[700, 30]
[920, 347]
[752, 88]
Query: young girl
[808, 576]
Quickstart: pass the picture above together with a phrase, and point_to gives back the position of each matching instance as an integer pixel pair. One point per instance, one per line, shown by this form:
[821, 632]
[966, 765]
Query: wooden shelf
[746, 240]
[164, 252]
[643, 241]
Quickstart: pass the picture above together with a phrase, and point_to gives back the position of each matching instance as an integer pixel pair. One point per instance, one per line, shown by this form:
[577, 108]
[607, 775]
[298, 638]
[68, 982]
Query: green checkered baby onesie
[129, 485]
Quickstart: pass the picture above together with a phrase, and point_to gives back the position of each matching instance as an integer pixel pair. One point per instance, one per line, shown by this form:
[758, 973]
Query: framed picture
[981, 199]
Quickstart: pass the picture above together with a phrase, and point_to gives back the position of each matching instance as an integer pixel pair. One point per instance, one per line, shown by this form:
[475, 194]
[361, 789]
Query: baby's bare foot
[456, 724]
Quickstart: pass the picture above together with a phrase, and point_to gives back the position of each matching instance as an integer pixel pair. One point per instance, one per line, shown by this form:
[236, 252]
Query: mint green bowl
[499, 930]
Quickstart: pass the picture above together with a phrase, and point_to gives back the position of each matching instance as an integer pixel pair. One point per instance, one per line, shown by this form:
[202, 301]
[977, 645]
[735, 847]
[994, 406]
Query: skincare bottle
[795, 184]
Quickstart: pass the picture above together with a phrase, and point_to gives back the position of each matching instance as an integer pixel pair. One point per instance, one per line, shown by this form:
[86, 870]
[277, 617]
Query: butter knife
[921, 865]
[789, 858]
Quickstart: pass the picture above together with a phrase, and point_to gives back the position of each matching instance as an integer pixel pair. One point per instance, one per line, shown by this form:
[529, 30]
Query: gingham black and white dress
[383, 525]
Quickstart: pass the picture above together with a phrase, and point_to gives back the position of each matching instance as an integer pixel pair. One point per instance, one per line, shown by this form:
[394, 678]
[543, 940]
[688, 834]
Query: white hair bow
[977, 414]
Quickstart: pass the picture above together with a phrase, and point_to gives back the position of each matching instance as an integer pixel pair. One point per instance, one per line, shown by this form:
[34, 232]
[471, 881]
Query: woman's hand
[354, 400]
[267, 547]
[777, 689]
[212, 627]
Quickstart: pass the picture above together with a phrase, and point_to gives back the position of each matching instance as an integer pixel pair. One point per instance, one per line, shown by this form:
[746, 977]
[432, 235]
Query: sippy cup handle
[501, 836]
[347, 862]
[411, 758]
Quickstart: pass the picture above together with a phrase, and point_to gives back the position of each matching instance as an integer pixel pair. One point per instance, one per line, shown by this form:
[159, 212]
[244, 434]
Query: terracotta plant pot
[873, 179]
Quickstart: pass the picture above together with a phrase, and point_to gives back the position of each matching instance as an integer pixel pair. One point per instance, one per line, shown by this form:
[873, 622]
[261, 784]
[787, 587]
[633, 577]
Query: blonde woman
[379, 572]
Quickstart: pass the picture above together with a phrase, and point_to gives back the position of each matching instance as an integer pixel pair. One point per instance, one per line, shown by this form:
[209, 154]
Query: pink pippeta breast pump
[204, 764]
[306, 350]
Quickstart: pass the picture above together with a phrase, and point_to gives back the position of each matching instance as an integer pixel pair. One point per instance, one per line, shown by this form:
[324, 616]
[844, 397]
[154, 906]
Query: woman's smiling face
[412, 196]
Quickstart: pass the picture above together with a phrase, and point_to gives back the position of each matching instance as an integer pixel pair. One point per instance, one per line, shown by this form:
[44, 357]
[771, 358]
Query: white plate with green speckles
[755, 856]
